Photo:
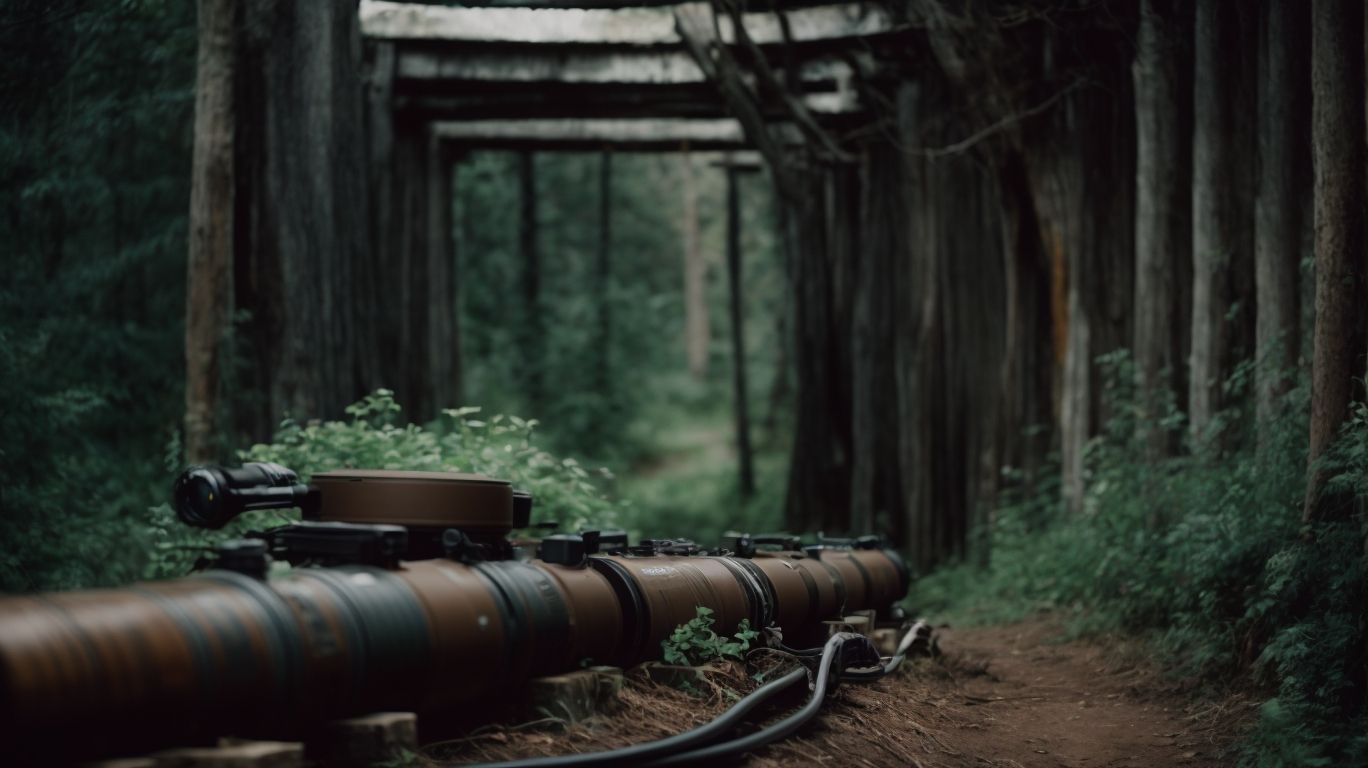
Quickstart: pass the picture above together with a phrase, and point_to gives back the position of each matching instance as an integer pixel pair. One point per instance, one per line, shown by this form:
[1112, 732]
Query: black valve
[245, 556]
[612, 542]
[563, 549]
[740, 544]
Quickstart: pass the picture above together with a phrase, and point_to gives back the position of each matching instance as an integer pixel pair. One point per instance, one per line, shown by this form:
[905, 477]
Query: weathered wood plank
[426, 61]
[625, 26]
[722, 133]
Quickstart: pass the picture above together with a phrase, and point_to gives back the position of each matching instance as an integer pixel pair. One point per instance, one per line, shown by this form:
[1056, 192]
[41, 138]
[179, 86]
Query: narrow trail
[1012, 696]
[1015, 696]
[1026, 699]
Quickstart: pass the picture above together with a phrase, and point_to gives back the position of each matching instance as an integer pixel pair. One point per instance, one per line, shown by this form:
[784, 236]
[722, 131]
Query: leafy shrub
[1204, 552]
[695, 642]
[501, 447]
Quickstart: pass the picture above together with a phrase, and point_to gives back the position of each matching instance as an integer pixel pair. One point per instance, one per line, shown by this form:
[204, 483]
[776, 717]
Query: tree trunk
[738, 337]
[209, 278]
[1161, 237]
[819, 473]
[1028, 362]
[442, 384]
[876, 494]
[604, 273]
[695, 276]
[302, 206]
[1337, 138]
[531, 283]
[1278, 215]
[1214, 215]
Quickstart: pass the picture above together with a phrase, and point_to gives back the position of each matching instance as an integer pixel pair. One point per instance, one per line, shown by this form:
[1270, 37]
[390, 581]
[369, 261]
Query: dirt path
[1008, 696]
[1016, 696]
[1038, 702]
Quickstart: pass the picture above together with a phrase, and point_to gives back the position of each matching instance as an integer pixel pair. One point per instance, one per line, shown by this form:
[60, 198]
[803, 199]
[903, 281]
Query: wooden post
[743, 441]
[696, 333]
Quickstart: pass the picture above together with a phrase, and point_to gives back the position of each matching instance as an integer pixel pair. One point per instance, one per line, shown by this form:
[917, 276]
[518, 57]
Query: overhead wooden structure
[459, 63]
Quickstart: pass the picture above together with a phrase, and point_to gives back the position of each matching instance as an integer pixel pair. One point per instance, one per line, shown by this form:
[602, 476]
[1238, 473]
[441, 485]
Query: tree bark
[1214, 215]
[1278, 214]
[209, 279]
[302, 206]
[1161, 237]
[442, 383]
[1337, 145]
[696, 333]
[738, 337]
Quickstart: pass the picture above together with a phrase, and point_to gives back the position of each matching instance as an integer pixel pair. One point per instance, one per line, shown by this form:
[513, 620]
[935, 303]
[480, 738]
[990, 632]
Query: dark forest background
[1077, 318]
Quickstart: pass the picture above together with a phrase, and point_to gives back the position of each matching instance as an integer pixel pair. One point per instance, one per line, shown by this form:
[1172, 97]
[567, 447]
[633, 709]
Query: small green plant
[695, 642]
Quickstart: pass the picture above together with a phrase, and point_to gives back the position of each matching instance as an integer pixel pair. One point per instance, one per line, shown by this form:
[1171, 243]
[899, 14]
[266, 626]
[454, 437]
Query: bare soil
[1016, 696]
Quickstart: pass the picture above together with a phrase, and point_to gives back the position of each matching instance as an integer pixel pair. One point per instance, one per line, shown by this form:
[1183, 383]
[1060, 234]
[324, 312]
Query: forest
[1067, 300]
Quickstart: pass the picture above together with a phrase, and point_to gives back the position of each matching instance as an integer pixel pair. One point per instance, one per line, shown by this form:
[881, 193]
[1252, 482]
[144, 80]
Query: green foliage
[94, 170]
[1204, 552]
[695, 642]
[373, 438]
[608, 390]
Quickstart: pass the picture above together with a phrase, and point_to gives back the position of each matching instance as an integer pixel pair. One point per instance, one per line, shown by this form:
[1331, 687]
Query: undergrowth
[1205, 553]
[375, 437]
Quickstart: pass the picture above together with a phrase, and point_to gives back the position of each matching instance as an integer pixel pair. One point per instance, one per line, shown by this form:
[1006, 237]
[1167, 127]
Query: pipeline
[406, 595]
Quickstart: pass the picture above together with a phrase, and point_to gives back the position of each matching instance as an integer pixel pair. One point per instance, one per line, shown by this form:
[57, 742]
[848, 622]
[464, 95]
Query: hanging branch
[701, 38]
[794, 105]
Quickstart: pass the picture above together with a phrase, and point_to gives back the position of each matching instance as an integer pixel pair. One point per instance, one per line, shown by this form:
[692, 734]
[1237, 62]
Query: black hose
[773, 732]
[637, 754]
[671, 750]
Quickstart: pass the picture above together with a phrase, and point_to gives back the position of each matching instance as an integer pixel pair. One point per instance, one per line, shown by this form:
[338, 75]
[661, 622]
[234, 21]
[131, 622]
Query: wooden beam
[723, 133]
[428, 61]
[625, 26]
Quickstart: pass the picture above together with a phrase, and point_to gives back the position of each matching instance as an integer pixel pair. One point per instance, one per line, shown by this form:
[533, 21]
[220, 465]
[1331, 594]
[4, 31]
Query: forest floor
[1015, 696]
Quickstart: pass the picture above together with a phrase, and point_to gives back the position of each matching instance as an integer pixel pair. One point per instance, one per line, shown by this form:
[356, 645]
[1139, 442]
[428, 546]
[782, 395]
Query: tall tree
[1337, 139]
[735, 288]
[1283, 72]
[209, 279]
[696, 331]
[531, 281]
[302, 204]
[1161, 201]
[1214, 215]
[442, 373]
[604, 272]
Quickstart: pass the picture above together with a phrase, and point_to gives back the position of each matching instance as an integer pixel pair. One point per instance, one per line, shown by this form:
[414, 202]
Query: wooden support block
[364, 741]
[577, 695]
[248, 754]
[886, 640]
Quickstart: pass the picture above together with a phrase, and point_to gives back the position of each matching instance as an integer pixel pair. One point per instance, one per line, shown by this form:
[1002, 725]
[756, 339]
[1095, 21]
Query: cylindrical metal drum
[662, 592]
